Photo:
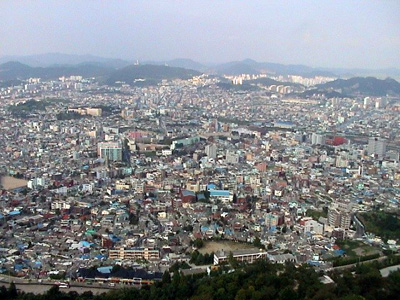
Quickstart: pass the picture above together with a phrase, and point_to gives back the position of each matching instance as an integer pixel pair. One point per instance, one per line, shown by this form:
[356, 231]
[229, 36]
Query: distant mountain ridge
[147, 74]
[184, 63]
[16, 70]
[370, 86]
[56, 59]
[151, 74]
[248, 66]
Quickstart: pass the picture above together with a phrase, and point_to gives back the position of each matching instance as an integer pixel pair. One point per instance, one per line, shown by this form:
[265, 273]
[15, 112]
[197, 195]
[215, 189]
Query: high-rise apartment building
[211, 151]
[339, 215]
[317, 139]
[377, 147]
[111, 151]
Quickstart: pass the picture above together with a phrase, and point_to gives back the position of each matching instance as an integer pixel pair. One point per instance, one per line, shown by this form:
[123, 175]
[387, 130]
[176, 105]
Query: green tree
[257, 243]
[3, 292]
[234, 200]
[198, 243]
[287, 294]
[166, 279]
[116, 268]
[12, 291]
[232, 261]
[176, 278]
[53, 293]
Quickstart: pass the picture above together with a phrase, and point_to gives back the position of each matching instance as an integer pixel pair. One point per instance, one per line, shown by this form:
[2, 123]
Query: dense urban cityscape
[191, 172]
[202, 150]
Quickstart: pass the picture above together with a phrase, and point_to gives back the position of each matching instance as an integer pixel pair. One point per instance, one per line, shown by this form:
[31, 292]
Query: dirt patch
[10, 183]
[361, 251]
[213, 246]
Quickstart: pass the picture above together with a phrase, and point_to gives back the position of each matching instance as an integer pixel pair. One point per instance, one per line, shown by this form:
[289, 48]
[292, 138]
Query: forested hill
[149, 73]
[369, 86]
[261, 280]
[18, 71]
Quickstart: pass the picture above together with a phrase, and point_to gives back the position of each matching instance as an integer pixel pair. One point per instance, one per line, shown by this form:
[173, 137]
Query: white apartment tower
[377, 147]
[317, 139]
[211, 151]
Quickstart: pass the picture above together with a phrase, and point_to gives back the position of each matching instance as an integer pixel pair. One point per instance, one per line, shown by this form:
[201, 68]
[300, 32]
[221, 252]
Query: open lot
[213, 246]
[357, 248]
[10, 183]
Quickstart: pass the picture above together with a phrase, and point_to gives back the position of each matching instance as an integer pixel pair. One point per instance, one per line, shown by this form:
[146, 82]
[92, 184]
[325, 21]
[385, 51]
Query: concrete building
[317, 139]
[232, 157]
[377, 147]
[134, 253]
[96, 112]
[247, 255]
[184, 142]
[313, 227]
[111, 151]
[211, 151]
[339, 215]
[282, 258]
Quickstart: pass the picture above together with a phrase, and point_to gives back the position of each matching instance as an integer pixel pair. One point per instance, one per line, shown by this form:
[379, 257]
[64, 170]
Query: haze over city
[347, 34]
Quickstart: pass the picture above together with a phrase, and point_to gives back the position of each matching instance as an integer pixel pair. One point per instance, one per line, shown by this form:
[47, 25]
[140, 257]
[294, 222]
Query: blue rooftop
[211, 186]
[14, 213]
[228, 231]
[201, 196]
[314, 263]
[219, 193]
[186, 193]
[85, 244]
[114, 238]
[105, 270]
[204, 228]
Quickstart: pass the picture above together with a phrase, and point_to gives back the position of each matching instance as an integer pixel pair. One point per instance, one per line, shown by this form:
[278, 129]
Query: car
[64, 286]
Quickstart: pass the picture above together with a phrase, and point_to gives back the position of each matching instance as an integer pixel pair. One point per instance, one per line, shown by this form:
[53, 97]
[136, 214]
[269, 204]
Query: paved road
[42, 288]
[386, 271]
[45, 285]
[362, 262]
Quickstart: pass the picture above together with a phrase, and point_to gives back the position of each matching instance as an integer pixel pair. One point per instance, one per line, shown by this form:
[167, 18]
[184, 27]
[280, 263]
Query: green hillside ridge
[151, 73]
[369, 86]
[16, 70]
[261, 280]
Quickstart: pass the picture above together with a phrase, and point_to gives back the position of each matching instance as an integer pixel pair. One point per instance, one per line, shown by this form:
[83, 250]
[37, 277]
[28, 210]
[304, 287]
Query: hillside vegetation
[382, 224]
[261, 280]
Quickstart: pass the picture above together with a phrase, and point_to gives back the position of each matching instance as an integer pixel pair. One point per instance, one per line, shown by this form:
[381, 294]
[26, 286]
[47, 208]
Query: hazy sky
[317, 33]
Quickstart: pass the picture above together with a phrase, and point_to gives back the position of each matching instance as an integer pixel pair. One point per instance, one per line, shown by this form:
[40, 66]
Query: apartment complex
[339, 215]
[134, 253]
[110, 151]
